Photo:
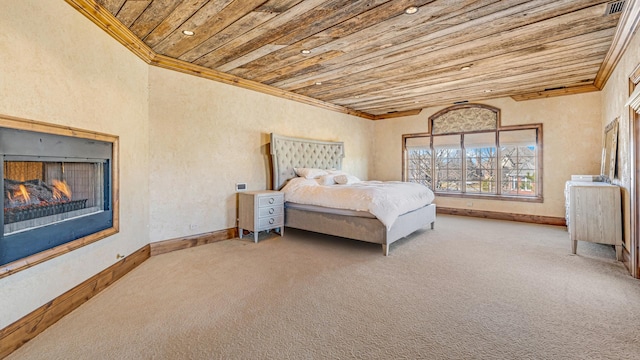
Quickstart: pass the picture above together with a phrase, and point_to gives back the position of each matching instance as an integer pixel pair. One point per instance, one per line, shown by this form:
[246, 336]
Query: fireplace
[57, 189]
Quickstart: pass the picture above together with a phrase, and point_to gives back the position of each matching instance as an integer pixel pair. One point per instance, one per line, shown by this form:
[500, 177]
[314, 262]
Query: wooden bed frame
[288, 153]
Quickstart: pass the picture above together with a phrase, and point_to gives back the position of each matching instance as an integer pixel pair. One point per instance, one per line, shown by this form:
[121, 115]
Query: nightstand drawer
[272, 221]
[270, 211]
[270, 200]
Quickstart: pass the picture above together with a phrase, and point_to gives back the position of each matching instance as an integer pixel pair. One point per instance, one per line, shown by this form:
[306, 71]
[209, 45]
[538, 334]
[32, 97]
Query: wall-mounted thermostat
[241, 186]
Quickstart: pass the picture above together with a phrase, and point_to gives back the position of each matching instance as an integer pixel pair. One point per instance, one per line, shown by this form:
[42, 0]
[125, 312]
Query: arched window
[466, 152]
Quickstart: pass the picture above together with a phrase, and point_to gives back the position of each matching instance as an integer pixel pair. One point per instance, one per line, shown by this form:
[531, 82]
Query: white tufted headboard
[289, 152]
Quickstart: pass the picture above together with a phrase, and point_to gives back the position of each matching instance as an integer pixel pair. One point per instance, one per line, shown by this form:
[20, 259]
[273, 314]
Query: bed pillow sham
[327, 180]
[345, 179]
[310, 173]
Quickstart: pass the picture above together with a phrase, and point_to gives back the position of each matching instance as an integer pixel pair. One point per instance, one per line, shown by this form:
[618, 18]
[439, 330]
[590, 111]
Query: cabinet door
[593, 214]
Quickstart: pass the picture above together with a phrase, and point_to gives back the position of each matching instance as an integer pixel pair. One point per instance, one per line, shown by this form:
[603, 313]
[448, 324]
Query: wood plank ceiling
[372, 57]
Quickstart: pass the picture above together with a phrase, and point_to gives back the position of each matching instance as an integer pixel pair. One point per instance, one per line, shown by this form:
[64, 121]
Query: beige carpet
[470, 289]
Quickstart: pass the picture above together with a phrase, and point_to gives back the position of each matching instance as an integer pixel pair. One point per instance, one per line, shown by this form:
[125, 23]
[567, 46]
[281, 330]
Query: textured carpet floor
[470, 289]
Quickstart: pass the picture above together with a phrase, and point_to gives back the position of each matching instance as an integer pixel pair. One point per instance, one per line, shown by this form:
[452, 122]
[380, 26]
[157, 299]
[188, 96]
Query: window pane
[518, 170]
[419, 166]
[473, 186]
[448, 169]
[481, 170]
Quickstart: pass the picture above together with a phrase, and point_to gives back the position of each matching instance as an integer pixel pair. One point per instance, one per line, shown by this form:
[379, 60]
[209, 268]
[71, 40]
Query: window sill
[533, 199]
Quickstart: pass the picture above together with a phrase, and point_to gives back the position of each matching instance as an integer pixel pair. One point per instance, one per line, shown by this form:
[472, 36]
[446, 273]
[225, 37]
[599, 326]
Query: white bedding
[385, 200]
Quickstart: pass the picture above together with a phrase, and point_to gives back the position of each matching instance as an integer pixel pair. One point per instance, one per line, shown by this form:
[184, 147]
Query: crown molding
[397, 114]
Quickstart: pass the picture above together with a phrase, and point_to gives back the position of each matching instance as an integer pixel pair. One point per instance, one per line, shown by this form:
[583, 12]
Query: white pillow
[345, 179]
[328, 179]
[310, 173]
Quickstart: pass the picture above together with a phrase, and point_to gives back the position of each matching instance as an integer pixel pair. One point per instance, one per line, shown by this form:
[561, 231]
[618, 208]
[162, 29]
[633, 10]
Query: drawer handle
[271, 221]
[271, 211]
[271, 200]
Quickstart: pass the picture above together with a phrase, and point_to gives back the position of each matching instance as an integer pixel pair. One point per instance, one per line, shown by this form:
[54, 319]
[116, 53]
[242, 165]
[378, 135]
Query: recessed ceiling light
[305, 51]
[188, 32]
[318, 83]
[411, 10]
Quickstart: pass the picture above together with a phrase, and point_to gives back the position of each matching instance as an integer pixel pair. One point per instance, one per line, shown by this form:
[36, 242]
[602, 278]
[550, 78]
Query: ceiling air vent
[615, 7]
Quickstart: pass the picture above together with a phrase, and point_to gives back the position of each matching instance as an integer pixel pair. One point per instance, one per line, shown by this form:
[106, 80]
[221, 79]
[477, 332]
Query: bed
[288, 153]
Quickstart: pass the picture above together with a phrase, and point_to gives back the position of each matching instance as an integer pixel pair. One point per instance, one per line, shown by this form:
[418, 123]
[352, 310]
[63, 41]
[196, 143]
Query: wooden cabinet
[594, 214]
[260, 210]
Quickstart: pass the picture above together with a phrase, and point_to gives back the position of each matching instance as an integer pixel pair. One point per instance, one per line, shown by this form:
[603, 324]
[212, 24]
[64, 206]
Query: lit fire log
[30, 199]
[61, 190]
[33, 192]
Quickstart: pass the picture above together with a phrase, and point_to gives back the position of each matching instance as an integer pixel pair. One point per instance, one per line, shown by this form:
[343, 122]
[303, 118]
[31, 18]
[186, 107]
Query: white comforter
[385, 200]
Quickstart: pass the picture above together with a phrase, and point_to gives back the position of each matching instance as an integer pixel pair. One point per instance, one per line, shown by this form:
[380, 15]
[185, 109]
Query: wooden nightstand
[594, 214]
[260, 210]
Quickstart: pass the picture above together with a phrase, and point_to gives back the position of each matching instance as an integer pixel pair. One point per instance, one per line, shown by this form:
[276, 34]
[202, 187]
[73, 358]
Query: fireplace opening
[56, 189]
[38, 193]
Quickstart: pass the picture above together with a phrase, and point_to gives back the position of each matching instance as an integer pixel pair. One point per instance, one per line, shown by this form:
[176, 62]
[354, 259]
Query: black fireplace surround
[56, 189]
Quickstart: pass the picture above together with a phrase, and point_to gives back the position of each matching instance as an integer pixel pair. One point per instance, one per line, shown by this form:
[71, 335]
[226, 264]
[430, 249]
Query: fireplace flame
[61, 189]
[23, 193]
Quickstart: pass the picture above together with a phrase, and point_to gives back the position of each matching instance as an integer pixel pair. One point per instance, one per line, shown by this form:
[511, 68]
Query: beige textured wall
[615, 94]
[58, 67]
[207, 136]
[572, 141]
